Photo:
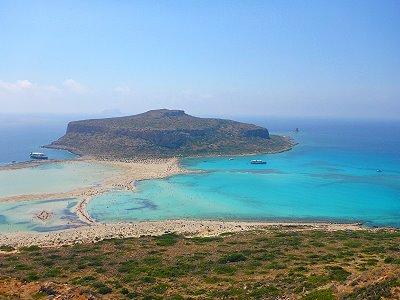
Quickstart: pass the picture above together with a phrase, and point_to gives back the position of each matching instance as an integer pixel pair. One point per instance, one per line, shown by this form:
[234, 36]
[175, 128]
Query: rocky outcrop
[167, 133]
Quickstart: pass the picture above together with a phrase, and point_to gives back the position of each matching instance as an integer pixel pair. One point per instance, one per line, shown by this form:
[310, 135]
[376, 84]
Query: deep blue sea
[330, 176]
[20, 135]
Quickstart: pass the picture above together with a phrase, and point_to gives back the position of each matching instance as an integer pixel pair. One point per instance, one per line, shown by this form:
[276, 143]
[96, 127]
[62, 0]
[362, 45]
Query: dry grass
[249, 265]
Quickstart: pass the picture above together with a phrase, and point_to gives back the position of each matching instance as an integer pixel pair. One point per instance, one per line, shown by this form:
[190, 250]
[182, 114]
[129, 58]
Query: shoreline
[190, 228]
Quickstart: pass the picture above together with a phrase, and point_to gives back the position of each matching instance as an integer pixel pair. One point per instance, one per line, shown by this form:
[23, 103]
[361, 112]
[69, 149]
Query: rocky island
[167, 133]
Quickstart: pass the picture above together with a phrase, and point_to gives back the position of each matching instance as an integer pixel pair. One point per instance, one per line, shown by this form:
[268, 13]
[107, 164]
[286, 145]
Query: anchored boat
[37, 155]
[258, 162]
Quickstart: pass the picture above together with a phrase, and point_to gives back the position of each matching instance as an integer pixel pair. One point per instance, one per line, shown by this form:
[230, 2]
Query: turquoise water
[20, 216]
[331, 175]
[53, 178]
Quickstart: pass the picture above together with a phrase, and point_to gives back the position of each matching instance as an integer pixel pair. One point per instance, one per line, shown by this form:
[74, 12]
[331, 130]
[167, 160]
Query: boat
[379, 170]
[258, 162]
[37, 155]
[231, 158]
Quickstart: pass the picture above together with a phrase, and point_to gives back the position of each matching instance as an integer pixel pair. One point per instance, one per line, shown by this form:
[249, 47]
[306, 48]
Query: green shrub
[352, 244]
[265, 292]
[84, 280]
[52, 272]
[224, 269]
[167, 239]
[338, 273]
[267, 256]
[30, 248]
[300, 269]
[317, 243]
[392, 260]
[159, 288]
[317, 280]
[6, 248]
[21, 267]
[374, 250]
[32, 277]
[104, 290]
[127, 266]
[326, 294]
[233, 257]
[101, 287]
[148, 279]
[372, 262]
[152, 260]
[132, 295]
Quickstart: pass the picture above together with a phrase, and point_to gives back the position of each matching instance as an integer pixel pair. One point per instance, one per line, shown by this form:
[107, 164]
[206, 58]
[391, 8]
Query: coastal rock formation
[167, 133]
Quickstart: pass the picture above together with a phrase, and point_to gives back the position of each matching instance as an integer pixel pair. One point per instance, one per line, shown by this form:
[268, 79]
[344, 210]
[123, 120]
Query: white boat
[258, 162]
[37, 155]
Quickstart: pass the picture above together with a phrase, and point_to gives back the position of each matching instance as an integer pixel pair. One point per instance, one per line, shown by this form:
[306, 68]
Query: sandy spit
[98, 232]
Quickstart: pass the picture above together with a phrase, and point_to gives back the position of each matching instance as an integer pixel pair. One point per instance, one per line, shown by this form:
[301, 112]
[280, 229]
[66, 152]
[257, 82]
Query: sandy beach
[97, 232]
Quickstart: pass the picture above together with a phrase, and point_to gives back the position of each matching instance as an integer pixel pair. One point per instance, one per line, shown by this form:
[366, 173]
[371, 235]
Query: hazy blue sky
[296, 58]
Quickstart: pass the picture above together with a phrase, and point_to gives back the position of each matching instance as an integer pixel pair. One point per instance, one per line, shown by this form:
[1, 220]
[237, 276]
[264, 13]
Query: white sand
[97, 232]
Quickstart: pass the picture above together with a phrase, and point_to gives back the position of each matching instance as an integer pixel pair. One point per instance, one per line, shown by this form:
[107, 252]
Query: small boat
[258, 162]
[231, 158]
[379, 170]
[37, 155]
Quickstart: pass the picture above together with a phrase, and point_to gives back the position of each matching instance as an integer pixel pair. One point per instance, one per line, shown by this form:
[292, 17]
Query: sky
[261, 58]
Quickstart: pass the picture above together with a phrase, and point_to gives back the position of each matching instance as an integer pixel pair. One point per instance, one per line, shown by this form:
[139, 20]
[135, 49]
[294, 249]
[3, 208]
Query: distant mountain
[167, 133]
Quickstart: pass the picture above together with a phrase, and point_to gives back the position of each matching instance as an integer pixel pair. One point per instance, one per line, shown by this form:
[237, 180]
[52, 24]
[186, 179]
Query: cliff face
[166, 133]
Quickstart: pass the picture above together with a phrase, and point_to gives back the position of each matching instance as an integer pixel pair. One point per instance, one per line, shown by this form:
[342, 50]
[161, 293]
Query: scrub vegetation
[271, 264]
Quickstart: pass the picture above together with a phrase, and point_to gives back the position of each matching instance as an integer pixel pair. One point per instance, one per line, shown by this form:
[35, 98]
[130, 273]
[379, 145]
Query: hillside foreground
[271, 264]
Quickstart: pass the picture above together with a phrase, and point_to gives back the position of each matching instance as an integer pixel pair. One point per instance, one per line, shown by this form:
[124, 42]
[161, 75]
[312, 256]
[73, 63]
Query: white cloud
[123, 90]
[28, 96]
[69, 85]
[74, 86]
[17, 86]
[25, 86]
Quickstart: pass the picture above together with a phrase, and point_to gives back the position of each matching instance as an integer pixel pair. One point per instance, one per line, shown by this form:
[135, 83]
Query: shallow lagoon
[330, 176]
[52, 178]
[21, 216]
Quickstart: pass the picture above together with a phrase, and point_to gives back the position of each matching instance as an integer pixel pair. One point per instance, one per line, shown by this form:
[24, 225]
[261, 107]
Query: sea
[340, 171]
[22, 134]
